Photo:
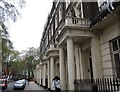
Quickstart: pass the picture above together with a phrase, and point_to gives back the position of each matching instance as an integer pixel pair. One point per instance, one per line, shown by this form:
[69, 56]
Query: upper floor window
[56, 21]
[100, 2]
[106, 4]
[60, 13]
[78, 10]
[116, 54]
[67, 3]
[52, 29]
[50, 34]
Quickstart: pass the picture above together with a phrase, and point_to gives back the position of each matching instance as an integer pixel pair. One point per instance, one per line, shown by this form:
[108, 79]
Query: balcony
[73, 23]
[105, 10]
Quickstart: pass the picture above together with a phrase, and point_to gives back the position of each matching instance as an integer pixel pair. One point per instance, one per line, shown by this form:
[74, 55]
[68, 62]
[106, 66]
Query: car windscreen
[18, 82]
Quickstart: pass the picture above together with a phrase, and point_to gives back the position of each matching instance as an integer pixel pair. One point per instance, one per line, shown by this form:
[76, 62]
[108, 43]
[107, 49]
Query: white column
[71, 64]
[0, 52]
[62, 68]
[44, 74]
[81, 63]
[52, 68]
[55, 68]
[48, 63]
[37, 75]
[77, 62]
[40, 76]
[96, 58]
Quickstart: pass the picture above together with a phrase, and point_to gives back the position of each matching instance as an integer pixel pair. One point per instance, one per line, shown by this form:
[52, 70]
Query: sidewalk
[33, 86]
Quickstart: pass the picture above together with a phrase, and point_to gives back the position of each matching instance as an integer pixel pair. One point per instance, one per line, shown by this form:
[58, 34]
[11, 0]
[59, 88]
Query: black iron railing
[97, 85]
[105, 10]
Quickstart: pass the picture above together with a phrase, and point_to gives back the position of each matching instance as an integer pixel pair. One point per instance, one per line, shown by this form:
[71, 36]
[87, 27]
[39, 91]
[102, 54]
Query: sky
[27, 31]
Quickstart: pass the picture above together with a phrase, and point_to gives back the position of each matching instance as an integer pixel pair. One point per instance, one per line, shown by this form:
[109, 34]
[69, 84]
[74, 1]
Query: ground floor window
[115, 44]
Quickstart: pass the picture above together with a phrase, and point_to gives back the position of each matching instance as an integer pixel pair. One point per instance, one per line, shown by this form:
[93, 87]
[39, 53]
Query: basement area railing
[97, 85]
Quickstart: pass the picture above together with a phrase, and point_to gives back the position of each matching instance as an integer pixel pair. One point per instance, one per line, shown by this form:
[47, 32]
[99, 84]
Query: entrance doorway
[90, 68]
[88, 64]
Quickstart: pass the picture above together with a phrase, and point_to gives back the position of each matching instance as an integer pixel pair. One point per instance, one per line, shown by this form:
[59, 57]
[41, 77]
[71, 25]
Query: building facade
[80, 41]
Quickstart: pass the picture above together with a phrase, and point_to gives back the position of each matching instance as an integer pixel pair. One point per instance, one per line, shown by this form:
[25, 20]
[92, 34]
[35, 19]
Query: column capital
[37, 66]
[44, 62]
[52, 53]
[69, 37]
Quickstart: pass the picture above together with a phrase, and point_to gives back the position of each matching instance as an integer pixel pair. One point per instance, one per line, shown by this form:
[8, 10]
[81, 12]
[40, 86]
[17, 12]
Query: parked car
[3, 84]
[24, 81]
[19, 85]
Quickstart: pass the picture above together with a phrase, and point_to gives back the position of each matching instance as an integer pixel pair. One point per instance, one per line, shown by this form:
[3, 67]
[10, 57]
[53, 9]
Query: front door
[90, 68]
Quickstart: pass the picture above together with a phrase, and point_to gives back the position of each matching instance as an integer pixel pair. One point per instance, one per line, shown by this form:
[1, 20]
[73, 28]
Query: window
[115, 45]
[60, 13]
[100, 2]
[50, 34]
[67, 3]
[56, 21]
[78, 10]
[116, 54]
[52, 30]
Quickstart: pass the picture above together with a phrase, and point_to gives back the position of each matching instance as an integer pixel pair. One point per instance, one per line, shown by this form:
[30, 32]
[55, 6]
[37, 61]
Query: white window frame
[114, 53]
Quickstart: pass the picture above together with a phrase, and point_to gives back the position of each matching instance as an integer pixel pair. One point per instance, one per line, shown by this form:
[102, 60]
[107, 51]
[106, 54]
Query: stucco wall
[108, 34]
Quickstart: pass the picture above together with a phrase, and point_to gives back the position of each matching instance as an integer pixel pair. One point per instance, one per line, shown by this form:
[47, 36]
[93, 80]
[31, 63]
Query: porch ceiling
[106, 22]
[76, 40]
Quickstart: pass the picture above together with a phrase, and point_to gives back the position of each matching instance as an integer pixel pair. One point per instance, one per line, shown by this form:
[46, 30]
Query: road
[32, 86]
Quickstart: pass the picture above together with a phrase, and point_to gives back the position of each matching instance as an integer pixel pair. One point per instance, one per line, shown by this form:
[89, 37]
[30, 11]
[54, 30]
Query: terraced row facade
[80, 40]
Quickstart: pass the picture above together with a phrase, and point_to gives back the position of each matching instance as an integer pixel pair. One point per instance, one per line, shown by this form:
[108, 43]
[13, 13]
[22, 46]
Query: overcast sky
[27, 31]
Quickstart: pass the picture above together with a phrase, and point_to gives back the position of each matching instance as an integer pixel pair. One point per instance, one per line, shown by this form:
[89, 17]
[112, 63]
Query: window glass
[117, 63]
[116, 57]
[56, 22]
[60, 13]
[115, 46]
[119, 43]
[67, 3]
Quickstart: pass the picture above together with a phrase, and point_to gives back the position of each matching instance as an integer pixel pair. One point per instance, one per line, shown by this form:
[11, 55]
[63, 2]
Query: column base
[49, 89]
[38, 83]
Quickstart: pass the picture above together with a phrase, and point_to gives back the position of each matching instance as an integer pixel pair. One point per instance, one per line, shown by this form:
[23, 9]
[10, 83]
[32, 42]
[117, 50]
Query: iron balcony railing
[105, 10]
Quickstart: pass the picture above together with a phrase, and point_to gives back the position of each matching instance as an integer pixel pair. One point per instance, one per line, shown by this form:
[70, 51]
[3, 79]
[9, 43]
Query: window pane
[119, 43]
[115, 46]
[117, 63]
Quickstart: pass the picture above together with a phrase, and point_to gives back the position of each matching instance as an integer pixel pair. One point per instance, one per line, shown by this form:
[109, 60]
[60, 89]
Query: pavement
[33, 86]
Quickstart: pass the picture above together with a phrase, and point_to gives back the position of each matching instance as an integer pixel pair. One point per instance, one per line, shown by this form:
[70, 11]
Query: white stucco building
[80, 40]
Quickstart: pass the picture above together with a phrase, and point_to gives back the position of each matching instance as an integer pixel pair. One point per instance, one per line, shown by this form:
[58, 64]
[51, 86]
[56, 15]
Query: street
[32, 86]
